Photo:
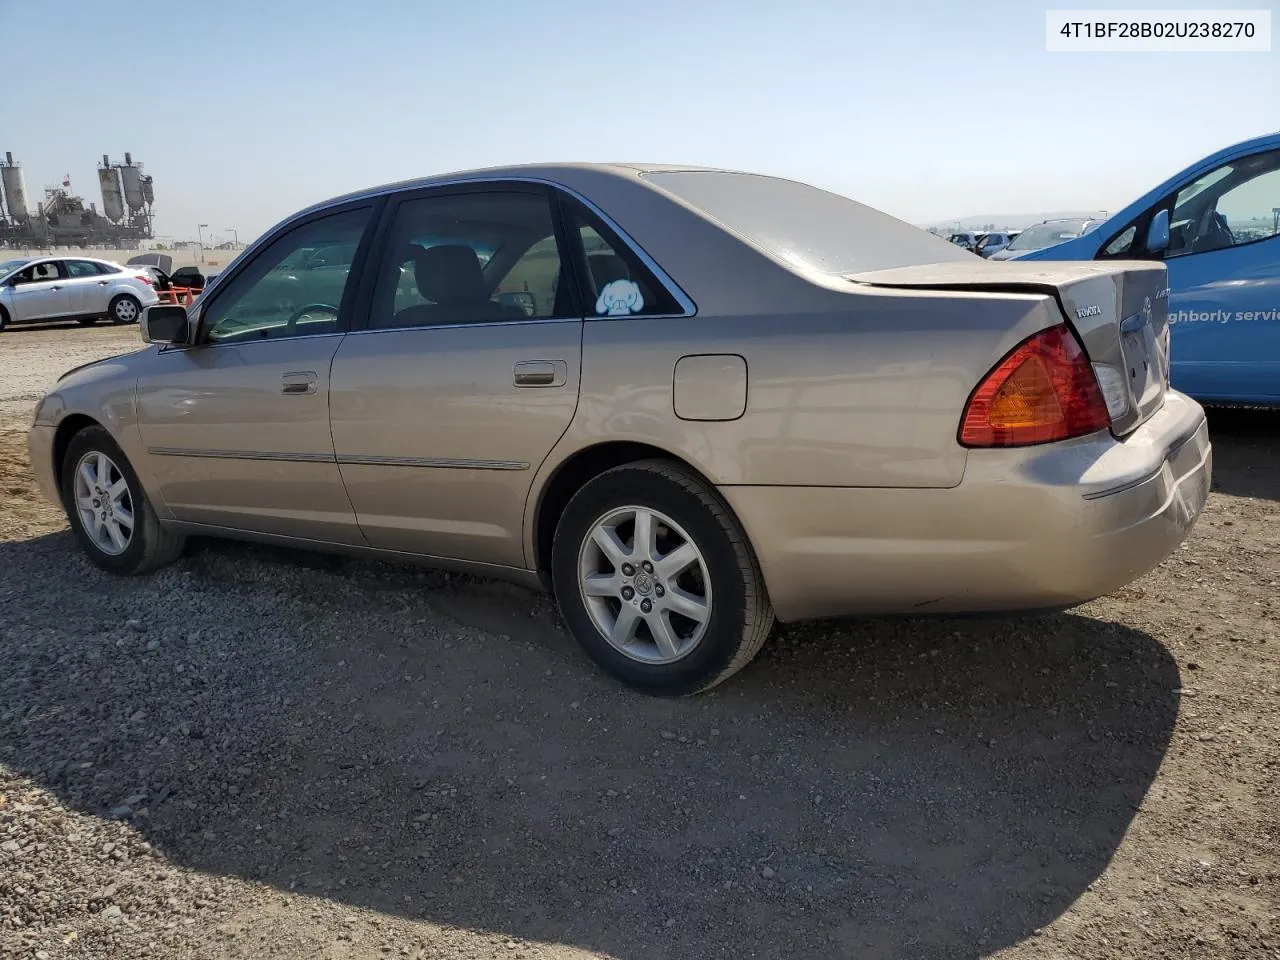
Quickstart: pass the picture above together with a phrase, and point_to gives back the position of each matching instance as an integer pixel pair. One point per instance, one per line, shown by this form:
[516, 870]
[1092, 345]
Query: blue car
[1216, 226]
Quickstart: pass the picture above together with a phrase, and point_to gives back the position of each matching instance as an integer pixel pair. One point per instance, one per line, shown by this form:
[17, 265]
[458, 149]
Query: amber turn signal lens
[1043, 390]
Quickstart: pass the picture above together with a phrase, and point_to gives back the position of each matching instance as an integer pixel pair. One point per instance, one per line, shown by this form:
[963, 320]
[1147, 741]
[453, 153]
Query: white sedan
[67, 288]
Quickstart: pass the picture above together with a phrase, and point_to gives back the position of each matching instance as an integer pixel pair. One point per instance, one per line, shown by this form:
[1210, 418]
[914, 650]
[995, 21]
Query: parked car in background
[1047, 233]
[992, 243]
[160, 267]
[965, 239]
[1216, 226]
[72, 288]
[716, 398]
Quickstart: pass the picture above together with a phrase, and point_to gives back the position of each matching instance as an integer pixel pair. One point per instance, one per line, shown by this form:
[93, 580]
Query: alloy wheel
[104, 503]
[645, 584]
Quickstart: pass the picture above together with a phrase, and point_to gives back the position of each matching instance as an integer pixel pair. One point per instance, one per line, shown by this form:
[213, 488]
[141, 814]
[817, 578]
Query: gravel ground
[261, 753]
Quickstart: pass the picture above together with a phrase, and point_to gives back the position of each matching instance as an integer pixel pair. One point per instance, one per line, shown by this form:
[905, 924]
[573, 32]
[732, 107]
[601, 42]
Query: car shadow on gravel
[434, 747]
[1246, 451]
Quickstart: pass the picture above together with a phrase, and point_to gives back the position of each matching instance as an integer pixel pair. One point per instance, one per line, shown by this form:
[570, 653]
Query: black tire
[740, 616]
[4, 318]
[150, 545]
[86, 321]
[124, 301]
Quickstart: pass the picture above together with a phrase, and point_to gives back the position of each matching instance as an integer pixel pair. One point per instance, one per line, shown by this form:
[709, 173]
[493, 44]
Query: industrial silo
[131, 179]
[112, 196]
[15, 190]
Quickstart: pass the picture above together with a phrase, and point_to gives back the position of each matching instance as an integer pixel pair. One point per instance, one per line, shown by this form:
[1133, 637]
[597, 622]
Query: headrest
[605, 268]
[449, 274]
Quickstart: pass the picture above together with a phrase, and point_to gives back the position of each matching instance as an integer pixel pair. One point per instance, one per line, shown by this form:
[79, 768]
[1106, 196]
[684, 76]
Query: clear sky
[928, 109]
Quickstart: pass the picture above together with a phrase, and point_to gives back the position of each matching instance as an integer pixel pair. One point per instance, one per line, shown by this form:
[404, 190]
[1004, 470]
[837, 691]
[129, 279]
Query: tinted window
[81, 268]
[1230, 206]
[276, 297]
[616, 281]
[802, 225]
[108, 268]
[470, 258]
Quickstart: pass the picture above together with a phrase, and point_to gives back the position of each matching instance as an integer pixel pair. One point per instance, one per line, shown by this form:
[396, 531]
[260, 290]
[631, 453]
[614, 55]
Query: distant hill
[1007, 221]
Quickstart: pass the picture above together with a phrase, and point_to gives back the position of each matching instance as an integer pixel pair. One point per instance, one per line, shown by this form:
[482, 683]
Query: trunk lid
[1120, 312]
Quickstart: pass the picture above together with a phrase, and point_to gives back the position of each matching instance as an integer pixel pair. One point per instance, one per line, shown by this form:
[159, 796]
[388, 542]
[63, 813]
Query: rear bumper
[1030, 528]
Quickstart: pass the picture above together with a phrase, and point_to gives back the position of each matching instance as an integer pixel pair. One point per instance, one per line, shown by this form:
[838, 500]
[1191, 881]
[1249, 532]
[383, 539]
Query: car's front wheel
[656, 580]
[124, 309]
[108, 509]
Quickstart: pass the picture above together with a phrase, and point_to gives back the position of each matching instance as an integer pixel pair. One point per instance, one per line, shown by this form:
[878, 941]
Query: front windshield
[1047, 234]
[8, 266]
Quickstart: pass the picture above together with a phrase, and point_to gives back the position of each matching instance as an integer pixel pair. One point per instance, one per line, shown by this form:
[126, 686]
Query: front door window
[39, 273]
[294, 288]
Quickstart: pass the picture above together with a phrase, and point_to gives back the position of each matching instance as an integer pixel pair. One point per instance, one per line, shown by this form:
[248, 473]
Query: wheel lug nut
[659, 589]
[646, 606]
[628, 570]
[627, 593]
[647, 567]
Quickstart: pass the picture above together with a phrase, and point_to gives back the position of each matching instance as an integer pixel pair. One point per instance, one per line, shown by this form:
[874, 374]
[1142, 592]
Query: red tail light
[145, 279]
[1043, 390]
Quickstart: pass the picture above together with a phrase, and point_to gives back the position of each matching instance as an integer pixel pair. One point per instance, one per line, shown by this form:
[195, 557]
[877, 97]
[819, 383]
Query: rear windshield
[805, 226]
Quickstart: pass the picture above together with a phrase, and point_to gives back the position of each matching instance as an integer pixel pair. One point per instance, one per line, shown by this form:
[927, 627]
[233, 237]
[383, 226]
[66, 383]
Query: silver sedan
[687, 401]
[72, 288]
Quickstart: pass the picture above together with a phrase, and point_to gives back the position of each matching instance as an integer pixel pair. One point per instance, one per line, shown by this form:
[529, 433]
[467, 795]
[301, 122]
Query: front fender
[106, 393]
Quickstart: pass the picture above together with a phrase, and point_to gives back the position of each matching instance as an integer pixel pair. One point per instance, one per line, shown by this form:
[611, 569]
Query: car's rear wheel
[4, 318]
[124, 309]
[108, 509]
[656, 580]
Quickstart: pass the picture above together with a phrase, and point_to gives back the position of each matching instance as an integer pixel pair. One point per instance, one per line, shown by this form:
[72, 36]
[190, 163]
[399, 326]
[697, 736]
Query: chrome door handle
[299, 382]
[103, 283]
[541, 373]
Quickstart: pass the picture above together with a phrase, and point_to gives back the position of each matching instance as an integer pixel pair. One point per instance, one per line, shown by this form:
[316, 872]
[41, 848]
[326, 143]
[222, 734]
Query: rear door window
[81, 268]
[476, 256]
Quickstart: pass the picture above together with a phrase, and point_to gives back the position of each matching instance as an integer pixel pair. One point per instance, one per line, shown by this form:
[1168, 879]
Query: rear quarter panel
[847, 385]
[852, 389]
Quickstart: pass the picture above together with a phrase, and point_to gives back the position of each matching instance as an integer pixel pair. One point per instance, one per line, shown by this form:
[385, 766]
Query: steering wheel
[1214, 233]
[292, 323]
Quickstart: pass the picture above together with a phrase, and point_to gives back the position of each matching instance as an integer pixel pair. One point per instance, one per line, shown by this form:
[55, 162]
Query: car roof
[567, 174]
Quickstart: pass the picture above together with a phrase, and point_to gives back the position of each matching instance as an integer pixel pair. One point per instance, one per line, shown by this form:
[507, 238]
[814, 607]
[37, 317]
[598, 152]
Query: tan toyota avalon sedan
[688, 401]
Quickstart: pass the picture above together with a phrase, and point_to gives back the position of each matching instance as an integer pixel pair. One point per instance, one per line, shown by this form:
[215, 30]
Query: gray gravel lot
[264, 753]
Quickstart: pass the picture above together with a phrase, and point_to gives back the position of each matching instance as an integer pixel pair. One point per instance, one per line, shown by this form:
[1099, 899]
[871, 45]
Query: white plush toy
[619, 298]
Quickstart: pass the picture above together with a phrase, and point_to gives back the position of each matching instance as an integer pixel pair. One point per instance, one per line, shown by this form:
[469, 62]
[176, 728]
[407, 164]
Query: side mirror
[1158, 233]
[165, 323]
